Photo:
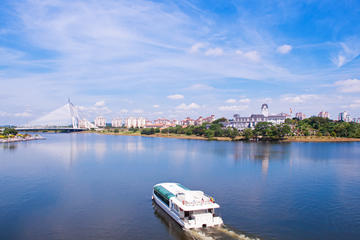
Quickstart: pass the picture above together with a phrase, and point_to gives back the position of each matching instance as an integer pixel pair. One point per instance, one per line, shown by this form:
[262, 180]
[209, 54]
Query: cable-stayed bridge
[67, 117]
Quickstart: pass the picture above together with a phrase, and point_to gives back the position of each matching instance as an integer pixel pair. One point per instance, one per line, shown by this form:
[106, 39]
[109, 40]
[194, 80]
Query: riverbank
[239, 138]
[178, 136]
[20, 139]
[320, 139]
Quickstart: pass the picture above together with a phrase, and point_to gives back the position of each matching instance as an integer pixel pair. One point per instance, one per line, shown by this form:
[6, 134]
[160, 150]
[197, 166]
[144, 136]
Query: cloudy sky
[178, 58]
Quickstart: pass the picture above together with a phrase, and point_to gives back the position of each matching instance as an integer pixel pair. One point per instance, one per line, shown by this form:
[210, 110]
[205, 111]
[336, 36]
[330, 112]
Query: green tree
[209, 133]
[263, 129]
[9, 131]
[219, 120]
[248, 134]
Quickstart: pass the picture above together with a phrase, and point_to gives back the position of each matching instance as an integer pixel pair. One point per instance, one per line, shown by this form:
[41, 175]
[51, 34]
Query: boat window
[187, 214]
[163, 194]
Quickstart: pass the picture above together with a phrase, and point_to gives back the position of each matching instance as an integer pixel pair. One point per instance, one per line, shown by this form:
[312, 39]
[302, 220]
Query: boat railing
[204, 200]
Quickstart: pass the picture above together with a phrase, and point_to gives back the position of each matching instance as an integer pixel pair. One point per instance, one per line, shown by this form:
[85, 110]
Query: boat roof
[187, 199]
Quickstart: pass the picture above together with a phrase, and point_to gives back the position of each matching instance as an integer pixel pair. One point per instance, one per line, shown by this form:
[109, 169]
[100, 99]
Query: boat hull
[177, 219]
[168, 211]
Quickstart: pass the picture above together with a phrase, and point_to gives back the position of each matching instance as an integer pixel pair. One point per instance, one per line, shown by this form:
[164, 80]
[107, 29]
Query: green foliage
[220, 120]
[209, 130]
[116, 130]
[148, 131]
[268, 131]
[314, 126]
[248, 134]
[9, 131]
[132, 129]
[209, 133]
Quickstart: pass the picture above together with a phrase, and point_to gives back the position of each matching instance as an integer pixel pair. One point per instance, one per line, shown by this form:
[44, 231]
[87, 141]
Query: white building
[130, 122]
[344, 116]
[100, 121]
[187, 122]
[135, 122]
[324, 114]
[85, 124]
[116, 122]
[241, 123]
[300, 116]
[141, 122]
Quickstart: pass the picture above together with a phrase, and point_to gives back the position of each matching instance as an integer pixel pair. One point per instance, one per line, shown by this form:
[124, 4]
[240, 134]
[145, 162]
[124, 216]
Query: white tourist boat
[191, 209]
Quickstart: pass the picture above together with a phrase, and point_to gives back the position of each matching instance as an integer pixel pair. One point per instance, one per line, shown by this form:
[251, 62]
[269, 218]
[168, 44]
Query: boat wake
[218, 233]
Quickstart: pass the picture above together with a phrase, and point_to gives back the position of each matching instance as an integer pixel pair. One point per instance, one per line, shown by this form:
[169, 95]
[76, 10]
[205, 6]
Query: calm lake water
[86, 186]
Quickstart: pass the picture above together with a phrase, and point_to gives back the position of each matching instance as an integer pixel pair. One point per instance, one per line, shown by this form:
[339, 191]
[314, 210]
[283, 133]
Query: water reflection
[219, 233]
[88, 186]
[171, 226]
[263, 152]
[9, 146]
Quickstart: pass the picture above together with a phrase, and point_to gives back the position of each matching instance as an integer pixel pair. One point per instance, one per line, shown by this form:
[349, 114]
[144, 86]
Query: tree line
[208, 130]
[313, 126]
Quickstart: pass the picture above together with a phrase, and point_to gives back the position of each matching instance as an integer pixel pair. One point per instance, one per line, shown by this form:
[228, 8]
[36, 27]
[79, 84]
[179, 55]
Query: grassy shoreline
[194, 137]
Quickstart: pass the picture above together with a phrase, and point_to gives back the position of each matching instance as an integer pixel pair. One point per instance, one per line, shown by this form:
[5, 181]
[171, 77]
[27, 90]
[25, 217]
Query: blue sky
[178, 58]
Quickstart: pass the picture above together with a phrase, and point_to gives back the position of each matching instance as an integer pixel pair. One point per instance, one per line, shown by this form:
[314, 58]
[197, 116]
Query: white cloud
[231, 100]
[299, 98]
[138, 111]
[284, 49]
[340, 60]
[250, 55]
[196, 47]
[214, 52]
[200, 86]
[233, 108]
[348, 86]
[100, 104]
[175, 96]
[183, 106]
[99, 108]
[23, 114]
[265, 100]
[19, 114]
[244, 100]
[354, 104]
[110, 36]
[156, 106]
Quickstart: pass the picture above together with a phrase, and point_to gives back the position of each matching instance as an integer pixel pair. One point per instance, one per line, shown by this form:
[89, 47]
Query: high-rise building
[324, 114]
[344, 116]
[100, 121]
[300, 116]
[135, 122]
[116, 122]
[84, 123]
[130, 122]
[141, 122]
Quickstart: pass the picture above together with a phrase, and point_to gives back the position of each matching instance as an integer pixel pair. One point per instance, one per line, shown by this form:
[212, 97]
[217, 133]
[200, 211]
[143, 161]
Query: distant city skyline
[176, 59]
